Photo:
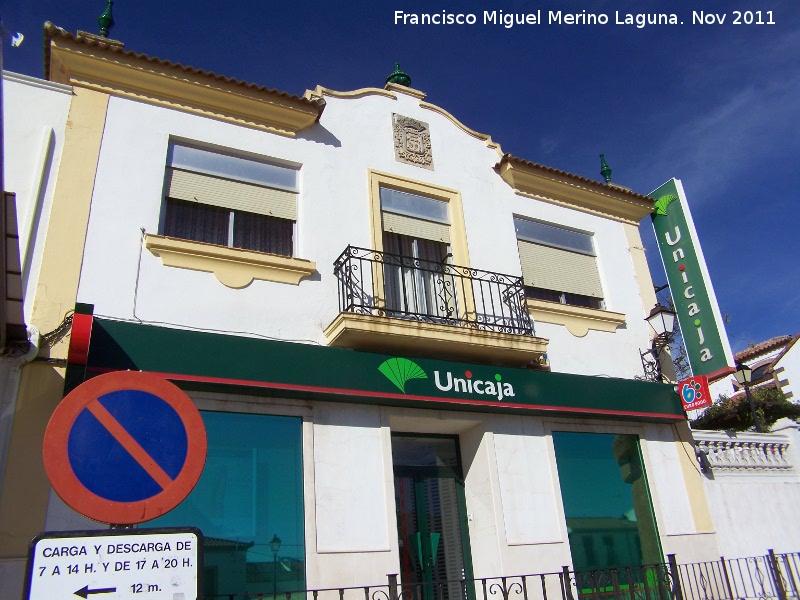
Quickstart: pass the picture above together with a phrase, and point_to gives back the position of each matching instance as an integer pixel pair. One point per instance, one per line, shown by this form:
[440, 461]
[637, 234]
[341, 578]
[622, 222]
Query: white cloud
[717, 138]
[715, 149]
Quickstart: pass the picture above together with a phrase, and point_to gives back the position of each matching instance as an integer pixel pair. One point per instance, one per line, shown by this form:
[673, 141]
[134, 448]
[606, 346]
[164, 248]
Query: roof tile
[763, 347]
[600, 185]
[52, 31]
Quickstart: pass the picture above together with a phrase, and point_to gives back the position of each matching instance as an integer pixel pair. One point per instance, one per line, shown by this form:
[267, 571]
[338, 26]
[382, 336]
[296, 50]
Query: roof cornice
[486, 139]
[320, 91]
[86, 61]
[390, 91]
[565, 189]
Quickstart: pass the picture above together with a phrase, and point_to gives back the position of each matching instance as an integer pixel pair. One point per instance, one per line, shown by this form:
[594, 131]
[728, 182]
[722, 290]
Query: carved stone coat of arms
[412, 141]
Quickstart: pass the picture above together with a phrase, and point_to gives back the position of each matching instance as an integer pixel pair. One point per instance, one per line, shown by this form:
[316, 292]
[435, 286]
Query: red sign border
[76, 495]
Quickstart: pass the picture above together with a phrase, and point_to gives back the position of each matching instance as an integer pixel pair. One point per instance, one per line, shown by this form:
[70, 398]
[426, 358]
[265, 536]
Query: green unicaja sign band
[692, 292]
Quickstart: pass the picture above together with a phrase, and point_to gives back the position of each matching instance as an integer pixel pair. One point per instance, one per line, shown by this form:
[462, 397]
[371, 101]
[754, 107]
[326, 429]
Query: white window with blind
[558, 264]
[230, 201]
[416, 245]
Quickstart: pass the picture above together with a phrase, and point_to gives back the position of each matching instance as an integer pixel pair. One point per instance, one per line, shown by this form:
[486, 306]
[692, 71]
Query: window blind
[416, 228]
[561, 270]
[233, 195]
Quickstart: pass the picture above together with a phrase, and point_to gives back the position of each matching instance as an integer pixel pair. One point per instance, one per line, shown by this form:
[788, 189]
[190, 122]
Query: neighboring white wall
[789, 364]
[353, 136]
[721, 387]
[753, 488]
[34, 122]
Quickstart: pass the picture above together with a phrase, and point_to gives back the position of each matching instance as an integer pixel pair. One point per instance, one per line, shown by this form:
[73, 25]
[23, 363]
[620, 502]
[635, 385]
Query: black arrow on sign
[85, 591]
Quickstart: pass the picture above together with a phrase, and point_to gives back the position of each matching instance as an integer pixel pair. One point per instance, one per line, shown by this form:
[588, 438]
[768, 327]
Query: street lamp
[744, 375]
[662, 321]
[275, 545]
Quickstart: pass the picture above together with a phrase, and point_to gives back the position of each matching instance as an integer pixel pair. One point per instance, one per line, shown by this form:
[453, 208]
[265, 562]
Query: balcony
[405, 305]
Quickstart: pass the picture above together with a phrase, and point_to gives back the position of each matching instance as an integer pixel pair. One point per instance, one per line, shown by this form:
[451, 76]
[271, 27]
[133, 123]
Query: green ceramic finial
[399, 77]
[106, 20]
[605, 170]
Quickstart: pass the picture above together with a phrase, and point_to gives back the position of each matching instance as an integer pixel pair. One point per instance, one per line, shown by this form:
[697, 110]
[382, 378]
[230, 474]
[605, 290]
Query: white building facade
[414, 354]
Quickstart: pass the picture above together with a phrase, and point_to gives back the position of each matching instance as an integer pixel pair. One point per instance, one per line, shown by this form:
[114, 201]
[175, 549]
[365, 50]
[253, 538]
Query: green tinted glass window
[606, 500]
[251, 489]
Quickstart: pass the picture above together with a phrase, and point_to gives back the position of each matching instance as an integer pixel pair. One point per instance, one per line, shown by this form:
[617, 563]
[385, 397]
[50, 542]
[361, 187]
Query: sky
[716, 105]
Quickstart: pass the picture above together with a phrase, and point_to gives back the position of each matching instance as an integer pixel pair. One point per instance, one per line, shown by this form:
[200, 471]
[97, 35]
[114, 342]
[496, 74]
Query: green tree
[735, 414]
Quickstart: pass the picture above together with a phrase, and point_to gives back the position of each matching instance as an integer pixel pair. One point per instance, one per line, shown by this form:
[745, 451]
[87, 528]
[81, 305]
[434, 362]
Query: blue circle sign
[125, 447]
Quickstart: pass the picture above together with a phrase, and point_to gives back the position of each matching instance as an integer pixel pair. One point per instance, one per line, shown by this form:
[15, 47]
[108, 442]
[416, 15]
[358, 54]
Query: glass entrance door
[431, 517]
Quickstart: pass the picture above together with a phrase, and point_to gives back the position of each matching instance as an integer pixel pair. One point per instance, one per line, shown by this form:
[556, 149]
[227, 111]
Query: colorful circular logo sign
[125, 447]
[694, 392]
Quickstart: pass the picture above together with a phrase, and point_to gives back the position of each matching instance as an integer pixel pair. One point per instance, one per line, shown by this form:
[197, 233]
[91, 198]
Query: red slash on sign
[85, 591]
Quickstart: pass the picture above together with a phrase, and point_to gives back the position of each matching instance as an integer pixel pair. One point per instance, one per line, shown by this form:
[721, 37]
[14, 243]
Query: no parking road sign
[125, 447]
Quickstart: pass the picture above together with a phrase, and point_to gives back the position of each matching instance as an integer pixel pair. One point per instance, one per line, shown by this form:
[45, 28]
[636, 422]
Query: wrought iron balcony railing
[391, 285]
[769, 577]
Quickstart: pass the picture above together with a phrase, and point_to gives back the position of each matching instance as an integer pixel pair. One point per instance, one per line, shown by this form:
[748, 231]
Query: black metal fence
[769, 577]
[391, 285]
[762, 577]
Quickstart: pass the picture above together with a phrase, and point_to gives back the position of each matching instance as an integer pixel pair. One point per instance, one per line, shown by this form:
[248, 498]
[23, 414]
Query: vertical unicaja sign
[695, 303]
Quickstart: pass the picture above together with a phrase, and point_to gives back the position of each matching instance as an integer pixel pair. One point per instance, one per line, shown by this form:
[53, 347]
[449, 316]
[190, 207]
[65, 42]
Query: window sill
[233, 267]
[577, 319]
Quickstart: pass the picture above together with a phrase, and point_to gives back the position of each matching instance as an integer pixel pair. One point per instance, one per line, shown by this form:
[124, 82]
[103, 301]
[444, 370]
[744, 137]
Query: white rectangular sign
[137, 564]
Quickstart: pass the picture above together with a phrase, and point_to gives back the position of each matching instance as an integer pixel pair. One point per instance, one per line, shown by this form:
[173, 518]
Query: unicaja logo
[400, 370]
[468, 385]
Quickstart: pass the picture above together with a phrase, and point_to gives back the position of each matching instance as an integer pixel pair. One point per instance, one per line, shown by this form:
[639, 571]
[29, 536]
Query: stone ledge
[233, 267]
[577, 319]
[405, 336]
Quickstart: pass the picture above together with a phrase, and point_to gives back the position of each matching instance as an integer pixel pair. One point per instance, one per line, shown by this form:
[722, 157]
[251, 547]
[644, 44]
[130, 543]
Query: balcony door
[432, 528]
[415, 278]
